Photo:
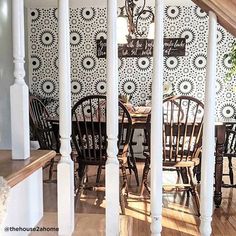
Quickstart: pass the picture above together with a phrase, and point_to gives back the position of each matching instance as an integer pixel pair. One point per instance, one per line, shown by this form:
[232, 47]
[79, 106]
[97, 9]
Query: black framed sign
[144, 48]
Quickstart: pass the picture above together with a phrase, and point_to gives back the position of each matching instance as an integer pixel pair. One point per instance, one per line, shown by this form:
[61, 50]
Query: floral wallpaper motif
[88, 73]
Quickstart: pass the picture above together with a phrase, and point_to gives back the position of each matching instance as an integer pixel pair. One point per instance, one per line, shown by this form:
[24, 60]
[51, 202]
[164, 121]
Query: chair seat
[192, 163]
[122, 160]
[93, 161]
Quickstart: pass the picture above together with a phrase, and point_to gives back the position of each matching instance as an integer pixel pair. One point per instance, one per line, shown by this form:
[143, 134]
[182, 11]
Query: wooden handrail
[225, 11]
[15, 171]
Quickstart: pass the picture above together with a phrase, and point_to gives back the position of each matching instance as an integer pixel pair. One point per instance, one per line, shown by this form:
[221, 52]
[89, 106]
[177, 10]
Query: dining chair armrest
[198, 153]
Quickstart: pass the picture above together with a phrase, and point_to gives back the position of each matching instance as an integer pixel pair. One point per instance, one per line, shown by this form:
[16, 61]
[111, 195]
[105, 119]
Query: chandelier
[129, 21]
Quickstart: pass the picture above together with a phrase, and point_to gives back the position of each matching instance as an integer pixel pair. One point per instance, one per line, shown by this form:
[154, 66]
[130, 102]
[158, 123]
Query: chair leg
[198, 173]
[124, 189]
[178, 172]
[81, 170]
[185, 178]
[81, 174]
[98, 174]
[131, 156]
[77, 189]
[133, 164]
[51, 169]
[129, 164]
[184, 175]
[122, 203]
[194, 190]
[125, 180]
[145, 176]
[231, 174]
[79, 182]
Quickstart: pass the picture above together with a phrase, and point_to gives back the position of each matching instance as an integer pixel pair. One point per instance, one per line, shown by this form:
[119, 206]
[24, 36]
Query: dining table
[139, 121]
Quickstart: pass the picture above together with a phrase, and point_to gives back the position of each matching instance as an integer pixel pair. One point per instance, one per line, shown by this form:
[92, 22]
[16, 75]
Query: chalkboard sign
[174, 46]
[144, 48]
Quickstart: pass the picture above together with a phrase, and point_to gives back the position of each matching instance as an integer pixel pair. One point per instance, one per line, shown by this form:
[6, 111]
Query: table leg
[220, 135]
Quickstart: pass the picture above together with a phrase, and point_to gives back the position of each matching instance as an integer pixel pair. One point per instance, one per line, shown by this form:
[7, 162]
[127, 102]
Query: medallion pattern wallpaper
[88, 73]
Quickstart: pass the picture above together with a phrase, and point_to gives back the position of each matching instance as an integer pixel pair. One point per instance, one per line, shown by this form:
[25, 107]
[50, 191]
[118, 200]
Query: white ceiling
[99, 3]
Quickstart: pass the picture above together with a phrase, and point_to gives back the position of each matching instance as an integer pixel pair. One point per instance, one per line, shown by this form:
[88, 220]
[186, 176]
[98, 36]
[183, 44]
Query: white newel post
[112, 165]
[156, 122]
[65, 168]
[19, 92]
[208, 149]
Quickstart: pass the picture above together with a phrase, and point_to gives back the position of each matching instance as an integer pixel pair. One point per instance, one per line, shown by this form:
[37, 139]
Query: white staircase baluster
[208, 148]
[112, 165]
[156, 122]
[19, 92]
[65, 168]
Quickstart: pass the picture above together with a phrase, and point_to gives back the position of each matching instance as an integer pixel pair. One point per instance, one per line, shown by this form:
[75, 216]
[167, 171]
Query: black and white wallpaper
[88, 73]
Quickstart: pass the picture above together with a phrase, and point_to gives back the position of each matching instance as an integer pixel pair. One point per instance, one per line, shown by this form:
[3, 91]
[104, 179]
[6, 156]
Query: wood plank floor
[85, 225]
[179, 212]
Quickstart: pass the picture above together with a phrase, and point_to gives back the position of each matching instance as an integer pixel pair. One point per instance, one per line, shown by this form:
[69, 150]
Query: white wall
[6, 73]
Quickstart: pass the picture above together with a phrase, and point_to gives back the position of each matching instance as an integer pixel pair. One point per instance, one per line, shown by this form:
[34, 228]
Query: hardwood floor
[85, 225]
[179, 211]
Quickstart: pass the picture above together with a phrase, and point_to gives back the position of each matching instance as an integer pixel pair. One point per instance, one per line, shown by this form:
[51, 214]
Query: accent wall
[88, 73]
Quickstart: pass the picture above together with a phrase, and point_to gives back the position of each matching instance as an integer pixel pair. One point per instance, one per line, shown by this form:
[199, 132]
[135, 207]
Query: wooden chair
[230, 152]
[90, 138]
[182, 140]
[42, 129]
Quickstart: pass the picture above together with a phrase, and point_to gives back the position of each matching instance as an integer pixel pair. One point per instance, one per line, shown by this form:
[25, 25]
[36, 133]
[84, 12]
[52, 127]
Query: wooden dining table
[139, 122]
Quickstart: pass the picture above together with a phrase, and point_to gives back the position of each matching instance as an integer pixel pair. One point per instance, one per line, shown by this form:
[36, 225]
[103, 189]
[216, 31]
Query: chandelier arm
[143, 12]
[130, 11]
[132, 18]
